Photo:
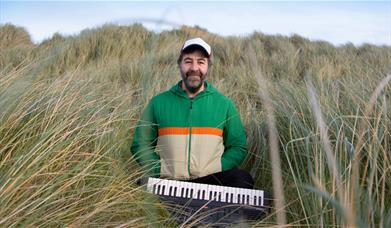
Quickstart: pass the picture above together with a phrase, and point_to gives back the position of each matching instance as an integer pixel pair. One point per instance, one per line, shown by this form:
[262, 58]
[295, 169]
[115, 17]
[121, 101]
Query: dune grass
[69, 106]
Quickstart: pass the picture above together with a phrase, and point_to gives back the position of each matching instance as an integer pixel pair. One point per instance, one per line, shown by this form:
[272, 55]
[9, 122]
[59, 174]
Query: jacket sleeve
[144, 142]
[235, 141]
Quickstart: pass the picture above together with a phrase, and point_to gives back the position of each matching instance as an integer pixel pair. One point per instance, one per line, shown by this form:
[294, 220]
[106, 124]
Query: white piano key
[151, 185]
[189, 190]
[256, 193]
[199, 192]
[231, 195]
[214, 193]
[248, 194]
[210, 192]
[162, 187]
[223, 196]
[204, 194]
[253, 198]
[196, 190]
[183, 190]
[178, 189]
[235, 196]
[204, 189]
[258, 199]
[193, 191]
[157, 188]
[240, 196]
[243, 198]
[172, 183]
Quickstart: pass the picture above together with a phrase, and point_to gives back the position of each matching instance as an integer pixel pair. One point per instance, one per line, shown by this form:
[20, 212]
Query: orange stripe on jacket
[173, 131]
[194, 130]
[207, 131]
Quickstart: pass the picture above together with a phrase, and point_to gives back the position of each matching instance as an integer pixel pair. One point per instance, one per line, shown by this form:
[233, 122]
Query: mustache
[192, 73]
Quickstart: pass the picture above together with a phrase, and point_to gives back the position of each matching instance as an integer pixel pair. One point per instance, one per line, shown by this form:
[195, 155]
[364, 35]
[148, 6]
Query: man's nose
[194, 67]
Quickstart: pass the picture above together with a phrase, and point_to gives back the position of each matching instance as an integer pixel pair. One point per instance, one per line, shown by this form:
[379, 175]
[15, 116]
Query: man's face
[193, 69]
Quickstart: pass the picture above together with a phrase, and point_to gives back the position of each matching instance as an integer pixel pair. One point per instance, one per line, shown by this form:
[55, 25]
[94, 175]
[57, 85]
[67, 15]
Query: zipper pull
[191, 103]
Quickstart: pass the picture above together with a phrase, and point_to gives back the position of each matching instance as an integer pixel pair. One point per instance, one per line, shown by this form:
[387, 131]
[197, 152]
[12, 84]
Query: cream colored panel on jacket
[173, 151]
[205, 156]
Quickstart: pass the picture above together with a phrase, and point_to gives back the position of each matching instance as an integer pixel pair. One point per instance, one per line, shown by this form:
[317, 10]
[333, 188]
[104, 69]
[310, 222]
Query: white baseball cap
[199, 42]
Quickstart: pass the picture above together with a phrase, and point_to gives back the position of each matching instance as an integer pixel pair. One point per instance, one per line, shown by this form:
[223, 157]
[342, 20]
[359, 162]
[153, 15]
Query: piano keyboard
[207, 192]
[214, 204]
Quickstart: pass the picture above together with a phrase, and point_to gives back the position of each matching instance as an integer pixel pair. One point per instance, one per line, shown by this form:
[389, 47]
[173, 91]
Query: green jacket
[182, 138]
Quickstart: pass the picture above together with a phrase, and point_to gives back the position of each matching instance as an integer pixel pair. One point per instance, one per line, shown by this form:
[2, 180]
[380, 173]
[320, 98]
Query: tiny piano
[210, 203]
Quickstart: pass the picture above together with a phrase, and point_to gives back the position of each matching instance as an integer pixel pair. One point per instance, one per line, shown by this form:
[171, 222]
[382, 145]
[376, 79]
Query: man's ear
[178, 61]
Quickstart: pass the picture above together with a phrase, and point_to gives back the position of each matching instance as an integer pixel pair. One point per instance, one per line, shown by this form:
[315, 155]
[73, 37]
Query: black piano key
[154, 189]
[158, 189]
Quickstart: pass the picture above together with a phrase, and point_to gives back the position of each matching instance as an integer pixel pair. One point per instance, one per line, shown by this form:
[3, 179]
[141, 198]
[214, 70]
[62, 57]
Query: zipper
[190, 129]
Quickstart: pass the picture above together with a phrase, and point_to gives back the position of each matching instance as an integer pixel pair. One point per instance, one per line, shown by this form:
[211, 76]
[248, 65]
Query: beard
[193, 80]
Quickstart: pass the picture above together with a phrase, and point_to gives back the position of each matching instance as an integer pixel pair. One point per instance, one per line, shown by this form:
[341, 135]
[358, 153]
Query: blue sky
[337, 22]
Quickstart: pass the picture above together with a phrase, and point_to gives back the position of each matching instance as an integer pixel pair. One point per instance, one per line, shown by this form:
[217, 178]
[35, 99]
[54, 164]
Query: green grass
[69, 106]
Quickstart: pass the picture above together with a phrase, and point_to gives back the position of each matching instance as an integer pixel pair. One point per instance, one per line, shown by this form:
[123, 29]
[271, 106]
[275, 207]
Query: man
[192, 132]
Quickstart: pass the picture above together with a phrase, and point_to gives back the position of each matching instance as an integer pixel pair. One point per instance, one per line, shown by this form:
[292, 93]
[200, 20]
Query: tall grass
[62, 147]
[69, 106]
